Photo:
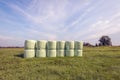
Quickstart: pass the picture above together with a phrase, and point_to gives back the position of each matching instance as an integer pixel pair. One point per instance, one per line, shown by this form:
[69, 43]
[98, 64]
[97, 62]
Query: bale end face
[78, 52]
[78, 45]
[51, 53]
[42, 44]
[69, 53]
[60, 45]
[60, 53]
[51, 45]
[41, 53]
[29, 53]
[69, 45]
[30, 44]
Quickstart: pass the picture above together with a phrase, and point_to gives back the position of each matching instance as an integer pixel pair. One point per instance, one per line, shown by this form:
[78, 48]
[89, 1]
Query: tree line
[103, 41]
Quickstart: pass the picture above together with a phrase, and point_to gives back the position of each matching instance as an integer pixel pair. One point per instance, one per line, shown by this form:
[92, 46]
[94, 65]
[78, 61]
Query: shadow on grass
[20, 55]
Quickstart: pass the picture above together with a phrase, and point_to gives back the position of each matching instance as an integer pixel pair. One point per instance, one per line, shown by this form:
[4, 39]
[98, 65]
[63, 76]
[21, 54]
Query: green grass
[97, 63]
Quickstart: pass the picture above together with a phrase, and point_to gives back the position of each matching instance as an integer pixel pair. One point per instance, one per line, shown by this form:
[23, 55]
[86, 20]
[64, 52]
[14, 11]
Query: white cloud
[106, 27]
[50, 15]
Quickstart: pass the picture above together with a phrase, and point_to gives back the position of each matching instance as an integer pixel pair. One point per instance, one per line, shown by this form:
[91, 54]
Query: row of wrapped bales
[45, 48]
[60, 45]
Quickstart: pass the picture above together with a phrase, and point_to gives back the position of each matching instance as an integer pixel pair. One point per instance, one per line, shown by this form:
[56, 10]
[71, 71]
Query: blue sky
[84, 20]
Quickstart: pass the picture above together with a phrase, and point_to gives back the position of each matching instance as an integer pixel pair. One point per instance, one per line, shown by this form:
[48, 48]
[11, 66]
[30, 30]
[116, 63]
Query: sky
[78, 20]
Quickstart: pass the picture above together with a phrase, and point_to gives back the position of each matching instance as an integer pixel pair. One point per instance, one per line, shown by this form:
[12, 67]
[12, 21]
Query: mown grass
[97, 63]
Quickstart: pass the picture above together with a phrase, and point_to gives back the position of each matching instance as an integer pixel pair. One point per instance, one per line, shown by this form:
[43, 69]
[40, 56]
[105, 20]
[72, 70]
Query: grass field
[97, 63]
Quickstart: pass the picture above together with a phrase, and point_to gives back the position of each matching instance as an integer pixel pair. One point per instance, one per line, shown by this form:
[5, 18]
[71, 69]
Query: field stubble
[97, 63]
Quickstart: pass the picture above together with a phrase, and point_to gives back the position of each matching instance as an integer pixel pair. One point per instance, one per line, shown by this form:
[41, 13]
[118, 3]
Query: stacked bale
[69, 48]
[51, 48]
[29, 49]
[45, 48]
[78, 48]
[41, 48]
[60, 48]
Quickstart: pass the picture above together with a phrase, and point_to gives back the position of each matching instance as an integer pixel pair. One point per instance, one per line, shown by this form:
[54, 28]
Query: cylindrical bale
[30, 44]
[69, 45]
[41, 53]
[60, 45]
[60, 53]
[69, 53]
[51, 45]
[51, 53]
[41, 44]
[78, 52]
[78, 45]
[29, 53]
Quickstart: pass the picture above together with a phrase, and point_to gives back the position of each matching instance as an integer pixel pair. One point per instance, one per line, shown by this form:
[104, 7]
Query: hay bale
[60, 45]
[41, 53]
[69, 45]
[51, 45]
[78, 45]
[60, 53]
[69, 53]
[78, 52]
[29, 53]
[30, 44]
[41, 44]
[51, 53]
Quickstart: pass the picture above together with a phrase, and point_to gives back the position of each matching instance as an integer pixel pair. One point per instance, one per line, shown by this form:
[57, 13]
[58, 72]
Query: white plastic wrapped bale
[30, 44]
[51, 53]
[29, 53]
[41, 53]
[69, 45]
[51, 45]
[41, 44]
[78, 45]
[78, 52]
[69, 53]
[60, 53]
[60, 45]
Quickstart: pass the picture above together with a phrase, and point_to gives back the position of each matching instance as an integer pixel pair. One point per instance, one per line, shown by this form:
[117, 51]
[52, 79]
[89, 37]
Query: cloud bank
[85, 20]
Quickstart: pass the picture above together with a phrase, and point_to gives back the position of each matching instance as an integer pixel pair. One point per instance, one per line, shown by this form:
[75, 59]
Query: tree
[105, 41]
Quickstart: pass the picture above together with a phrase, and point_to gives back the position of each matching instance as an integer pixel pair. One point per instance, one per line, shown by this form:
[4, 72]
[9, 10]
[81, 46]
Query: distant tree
[105, 41]
[87, 44]
[100, 44]
[96, 45]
